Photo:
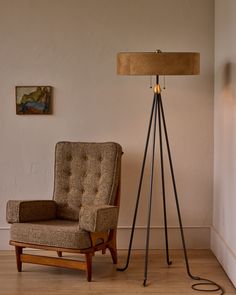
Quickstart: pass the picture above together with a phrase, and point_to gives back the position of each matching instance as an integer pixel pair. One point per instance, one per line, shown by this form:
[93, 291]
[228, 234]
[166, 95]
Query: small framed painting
[33, 100]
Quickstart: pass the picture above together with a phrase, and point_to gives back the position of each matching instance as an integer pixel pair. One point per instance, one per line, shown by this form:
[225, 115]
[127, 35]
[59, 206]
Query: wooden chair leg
[18, 251]
[112, 245]
[59, 253]
[89, 266]
[113, 251]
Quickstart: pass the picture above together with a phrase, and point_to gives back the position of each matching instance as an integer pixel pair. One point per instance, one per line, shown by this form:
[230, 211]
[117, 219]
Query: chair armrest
[26, 211]
[98, 218]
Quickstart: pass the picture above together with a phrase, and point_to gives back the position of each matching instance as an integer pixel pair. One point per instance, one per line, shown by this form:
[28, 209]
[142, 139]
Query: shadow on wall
[229, 79]
[227, 136]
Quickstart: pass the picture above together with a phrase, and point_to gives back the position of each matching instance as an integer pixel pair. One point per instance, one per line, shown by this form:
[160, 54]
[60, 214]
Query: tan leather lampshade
[158, 63]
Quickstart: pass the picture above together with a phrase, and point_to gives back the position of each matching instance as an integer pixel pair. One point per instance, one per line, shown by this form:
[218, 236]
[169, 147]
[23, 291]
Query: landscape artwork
[33, 100]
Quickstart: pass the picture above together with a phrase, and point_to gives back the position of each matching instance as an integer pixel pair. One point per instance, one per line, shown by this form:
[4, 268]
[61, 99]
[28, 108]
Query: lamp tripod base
[157, 117]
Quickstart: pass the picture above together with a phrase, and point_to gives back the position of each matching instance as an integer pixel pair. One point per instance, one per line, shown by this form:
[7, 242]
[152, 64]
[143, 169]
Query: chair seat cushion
[56, 233]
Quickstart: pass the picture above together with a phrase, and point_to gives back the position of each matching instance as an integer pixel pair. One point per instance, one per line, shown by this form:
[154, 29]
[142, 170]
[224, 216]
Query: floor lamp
[159, 63]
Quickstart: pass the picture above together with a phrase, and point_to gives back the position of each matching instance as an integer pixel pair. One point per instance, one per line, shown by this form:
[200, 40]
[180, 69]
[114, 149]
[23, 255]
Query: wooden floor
[35, 279]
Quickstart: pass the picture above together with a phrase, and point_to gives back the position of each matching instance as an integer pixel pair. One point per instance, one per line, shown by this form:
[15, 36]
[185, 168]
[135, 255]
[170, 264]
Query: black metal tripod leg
[150, 194]
[163, 182]
[139, 187]
[175, 194]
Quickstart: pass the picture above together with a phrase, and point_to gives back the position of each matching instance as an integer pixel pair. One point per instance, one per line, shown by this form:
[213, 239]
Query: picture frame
[33, 100]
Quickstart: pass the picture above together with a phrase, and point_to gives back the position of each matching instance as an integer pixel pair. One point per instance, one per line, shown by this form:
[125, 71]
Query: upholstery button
[82, 190]
[68, 173]
[67, 189]
[96, 190]
[100, 159]
[69, 158]
[84, 174]
[85, 157]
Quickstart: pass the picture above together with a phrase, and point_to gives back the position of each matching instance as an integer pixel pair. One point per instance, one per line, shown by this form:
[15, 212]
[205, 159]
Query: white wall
[223, 238]
[72, 45]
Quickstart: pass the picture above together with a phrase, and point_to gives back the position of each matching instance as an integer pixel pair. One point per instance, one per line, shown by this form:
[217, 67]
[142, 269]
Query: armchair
[81, 218]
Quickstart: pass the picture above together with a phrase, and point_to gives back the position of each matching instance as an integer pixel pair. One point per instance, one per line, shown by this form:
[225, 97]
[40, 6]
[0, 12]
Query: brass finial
[157, 89]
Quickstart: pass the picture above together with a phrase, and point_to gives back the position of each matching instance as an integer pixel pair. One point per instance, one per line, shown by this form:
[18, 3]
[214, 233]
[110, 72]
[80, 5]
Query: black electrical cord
[207, 282]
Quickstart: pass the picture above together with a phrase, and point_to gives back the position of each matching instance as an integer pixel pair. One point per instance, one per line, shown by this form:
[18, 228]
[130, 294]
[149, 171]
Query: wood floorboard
[36, 279]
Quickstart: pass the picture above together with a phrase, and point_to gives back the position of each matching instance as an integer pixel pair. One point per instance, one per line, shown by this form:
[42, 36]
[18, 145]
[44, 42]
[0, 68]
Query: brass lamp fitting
[157, 88]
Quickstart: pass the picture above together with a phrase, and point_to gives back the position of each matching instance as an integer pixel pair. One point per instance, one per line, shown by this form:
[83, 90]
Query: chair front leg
[113, 250]
[112, 245]
[18, 251]
[89, 265]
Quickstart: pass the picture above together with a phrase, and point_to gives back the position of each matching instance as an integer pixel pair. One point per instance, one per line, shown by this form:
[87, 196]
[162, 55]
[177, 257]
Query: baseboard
[197, 237]
[225, 255]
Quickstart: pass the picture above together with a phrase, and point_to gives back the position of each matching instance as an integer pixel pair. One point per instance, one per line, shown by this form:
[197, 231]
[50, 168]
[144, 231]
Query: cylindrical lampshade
[158, 63]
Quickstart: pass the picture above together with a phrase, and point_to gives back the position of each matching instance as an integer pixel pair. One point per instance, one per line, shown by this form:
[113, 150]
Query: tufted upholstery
[85, 185]
[83, 215]
[85, 174]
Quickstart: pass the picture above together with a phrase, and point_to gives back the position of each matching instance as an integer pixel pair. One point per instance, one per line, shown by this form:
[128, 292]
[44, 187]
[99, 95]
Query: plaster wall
[223, 233]
[72, 46]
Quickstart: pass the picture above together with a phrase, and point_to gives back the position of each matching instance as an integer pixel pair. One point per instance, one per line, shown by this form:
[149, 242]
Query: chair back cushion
[85, 174]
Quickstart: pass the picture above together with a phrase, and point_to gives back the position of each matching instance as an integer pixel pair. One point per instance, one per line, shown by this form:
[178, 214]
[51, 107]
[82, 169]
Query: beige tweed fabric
[26, 211]
[86, 179]
[98, 218]
[85, 174]
[57, 233]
